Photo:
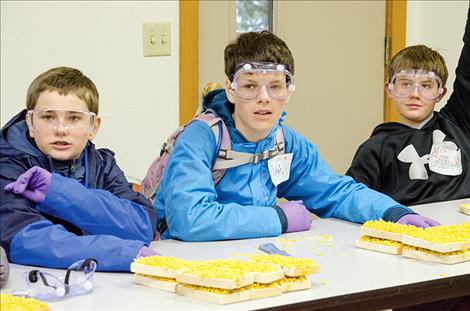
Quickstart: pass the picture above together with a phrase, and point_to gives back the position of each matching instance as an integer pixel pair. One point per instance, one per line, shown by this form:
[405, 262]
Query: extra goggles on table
[404, 83]
[44, 286]
[71, 120]
[251, 77]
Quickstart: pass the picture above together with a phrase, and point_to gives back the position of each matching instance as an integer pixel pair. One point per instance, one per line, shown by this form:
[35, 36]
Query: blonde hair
[64, 80]
[419, 57]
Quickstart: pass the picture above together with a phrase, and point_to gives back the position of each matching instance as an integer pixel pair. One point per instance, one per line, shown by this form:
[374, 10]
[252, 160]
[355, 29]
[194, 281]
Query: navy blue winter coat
[90, 210]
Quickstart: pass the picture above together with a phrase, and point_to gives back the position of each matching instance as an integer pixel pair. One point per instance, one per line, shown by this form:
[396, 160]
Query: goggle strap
[33, 278]
[86, 264]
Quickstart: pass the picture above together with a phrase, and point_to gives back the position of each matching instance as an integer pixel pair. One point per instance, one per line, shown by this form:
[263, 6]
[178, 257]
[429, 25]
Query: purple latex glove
[418, 221]
[298, 217]
[32, 185]
[146, 251]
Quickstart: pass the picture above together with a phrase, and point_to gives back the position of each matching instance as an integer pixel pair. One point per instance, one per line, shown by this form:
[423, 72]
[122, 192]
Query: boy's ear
[444, 91]
[229, 91]
[30, 127]
[386, 84]
[95, 129]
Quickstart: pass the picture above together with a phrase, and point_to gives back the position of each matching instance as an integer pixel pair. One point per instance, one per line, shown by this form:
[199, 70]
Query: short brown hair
[418, 57]
[64, 80]
[261, 46]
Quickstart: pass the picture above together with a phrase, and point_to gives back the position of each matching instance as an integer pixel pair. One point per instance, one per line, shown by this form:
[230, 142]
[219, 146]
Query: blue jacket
[241, 204]
[90, 210]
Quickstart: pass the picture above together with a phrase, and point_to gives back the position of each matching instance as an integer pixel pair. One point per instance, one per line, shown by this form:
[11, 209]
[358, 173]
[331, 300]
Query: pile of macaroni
[9, 302]
[442, 244]
[225, 281]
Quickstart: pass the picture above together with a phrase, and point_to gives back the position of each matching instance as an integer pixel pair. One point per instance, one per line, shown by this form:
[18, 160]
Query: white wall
[138, 95]
[439, 25]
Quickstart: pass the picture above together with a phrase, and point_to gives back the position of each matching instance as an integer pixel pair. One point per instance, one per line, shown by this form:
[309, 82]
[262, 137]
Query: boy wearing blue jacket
[259, 69]
[62, 200]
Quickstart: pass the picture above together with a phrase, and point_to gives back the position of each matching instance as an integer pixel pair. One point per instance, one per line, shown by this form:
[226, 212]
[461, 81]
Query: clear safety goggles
[51, 119]
[45, 286]
[404, 83]
[250, 78]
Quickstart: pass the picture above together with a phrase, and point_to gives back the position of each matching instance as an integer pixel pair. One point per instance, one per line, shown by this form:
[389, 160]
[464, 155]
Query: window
[254, 15]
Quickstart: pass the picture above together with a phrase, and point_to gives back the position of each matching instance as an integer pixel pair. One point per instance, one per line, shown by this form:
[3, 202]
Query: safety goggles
[45, 286]
[251, 77]
[51, 119]
[404, 83]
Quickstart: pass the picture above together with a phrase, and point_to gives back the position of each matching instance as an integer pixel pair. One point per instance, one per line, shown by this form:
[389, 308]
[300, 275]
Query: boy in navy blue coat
[62, 200]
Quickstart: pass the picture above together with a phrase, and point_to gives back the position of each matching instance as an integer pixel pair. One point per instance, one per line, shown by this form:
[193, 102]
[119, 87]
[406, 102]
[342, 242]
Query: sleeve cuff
[396, 212]
[282, 218]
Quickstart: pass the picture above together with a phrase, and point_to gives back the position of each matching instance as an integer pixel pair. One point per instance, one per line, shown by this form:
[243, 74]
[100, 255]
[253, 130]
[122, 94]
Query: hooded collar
[217, 102]
[15, 142]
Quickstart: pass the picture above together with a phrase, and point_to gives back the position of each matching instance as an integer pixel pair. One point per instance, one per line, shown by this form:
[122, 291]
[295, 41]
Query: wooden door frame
[395, 38]
[188, 59]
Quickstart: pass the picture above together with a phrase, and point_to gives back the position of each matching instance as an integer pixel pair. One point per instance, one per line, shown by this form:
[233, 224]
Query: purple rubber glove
[146, 251]
[32, 185]
[417, 220]
[298, 217]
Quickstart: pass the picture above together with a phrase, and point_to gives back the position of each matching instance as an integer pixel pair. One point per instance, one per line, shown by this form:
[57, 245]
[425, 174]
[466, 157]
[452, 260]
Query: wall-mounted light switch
[156, 39]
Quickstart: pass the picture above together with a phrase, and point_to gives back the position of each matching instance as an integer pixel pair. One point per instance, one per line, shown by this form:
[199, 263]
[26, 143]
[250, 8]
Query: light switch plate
[156, 39]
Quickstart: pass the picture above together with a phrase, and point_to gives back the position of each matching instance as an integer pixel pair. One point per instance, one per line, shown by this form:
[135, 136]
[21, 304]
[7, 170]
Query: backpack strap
[229, 158]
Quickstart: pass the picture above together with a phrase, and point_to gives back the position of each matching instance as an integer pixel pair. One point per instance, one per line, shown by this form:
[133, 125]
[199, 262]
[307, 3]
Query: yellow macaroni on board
[445, 244]
[225, 281]
[9, 302]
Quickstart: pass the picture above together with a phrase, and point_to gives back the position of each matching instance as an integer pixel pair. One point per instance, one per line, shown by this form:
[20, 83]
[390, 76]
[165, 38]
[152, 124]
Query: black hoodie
[396, 158]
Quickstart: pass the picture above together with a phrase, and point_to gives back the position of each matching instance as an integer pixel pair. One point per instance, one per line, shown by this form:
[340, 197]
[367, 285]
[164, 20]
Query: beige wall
[216, 21]
[338, 49]
[139, 96]
[439, 25]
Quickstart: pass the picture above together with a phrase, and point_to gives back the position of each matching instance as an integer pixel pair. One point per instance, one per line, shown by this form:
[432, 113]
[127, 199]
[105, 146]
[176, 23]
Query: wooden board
[265, 292]
[152, 270]
[154, 283]
[389, 249]
[465, 208]
[296, 285]
[221, 299]
[433, 257]
[441, 248]
[268, 277]
[214, 282]
[295, 272]
[382, 234]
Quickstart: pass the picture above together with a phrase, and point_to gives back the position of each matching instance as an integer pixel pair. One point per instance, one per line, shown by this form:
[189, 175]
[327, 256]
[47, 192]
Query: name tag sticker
[279, 168]
[445, 159]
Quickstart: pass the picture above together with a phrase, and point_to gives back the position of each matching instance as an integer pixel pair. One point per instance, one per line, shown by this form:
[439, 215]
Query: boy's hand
[298, 217]
[418, 221]
[32, 185]
[146, 251]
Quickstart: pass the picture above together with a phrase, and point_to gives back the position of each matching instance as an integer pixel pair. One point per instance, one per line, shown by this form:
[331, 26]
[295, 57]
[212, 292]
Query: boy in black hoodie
[426, 157]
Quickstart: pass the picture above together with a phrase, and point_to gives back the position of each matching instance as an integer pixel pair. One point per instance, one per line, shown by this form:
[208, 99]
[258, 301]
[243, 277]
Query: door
[338, 48]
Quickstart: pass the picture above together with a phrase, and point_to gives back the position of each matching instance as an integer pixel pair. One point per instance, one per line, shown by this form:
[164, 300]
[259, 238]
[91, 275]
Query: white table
[349, 277]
